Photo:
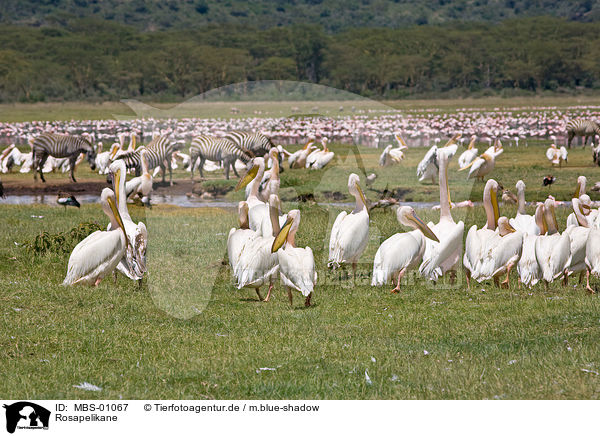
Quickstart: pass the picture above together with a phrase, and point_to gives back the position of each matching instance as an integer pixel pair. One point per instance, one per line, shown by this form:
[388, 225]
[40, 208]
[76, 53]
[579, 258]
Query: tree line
[87, 59]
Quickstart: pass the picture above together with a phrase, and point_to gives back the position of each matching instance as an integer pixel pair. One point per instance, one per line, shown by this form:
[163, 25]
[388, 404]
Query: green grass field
[187, 333]
[17, 112]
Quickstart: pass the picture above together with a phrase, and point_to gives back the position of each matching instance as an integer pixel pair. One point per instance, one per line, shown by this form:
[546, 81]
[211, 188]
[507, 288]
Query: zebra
[581, 127]
[217, 149]
[158, 154]
[255, 143]
[59, 146]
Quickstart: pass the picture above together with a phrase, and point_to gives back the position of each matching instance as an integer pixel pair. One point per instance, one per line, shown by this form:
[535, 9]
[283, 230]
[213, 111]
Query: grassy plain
[187, 333]
[17, 112]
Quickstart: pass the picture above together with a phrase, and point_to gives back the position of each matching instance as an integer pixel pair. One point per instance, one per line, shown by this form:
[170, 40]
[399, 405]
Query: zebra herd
[159, 152]
[227, 150]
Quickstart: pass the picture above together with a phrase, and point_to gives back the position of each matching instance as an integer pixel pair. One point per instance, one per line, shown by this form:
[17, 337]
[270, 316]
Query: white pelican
[135, 257]
[485, 163]
[592, 254]
[589, 213]
[552, 251]
[502, 253]
[258, 213]
[578, 235]
[402, 251]
[477, 239]
[97, 255]
[523, 222]
[528, 268]
[296, 265]
[556, 155]
[391, 155]
[298, 158]
[350, 231]
[428, 168]
[442, 257]
[257, 265]
[141, 185]
[469, 154]
[314, 159]
[104, 158]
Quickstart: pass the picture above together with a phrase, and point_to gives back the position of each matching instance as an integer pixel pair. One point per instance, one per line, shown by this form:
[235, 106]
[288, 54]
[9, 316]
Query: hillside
[332, 15]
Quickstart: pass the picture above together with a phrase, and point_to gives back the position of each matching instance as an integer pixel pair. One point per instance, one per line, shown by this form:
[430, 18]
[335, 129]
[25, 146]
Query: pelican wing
[440, 257]
[398, 252]
[95, 256]
[500, 253]
[528, 267]
[297, 267]
[256, 264]
[349, 239]
[477, 163]
[430, 158]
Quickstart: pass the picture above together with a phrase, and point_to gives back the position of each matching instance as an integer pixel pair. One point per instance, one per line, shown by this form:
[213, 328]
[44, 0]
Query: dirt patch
[335, 195]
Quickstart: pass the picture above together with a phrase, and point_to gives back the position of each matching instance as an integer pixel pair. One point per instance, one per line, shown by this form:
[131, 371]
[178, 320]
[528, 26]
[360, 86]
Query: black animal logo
[30, 413]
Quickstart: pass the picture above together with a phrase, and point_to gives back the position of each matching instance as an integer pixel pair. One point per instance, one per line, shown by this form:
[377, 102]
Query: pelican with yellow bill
[350, 231]
[99, 254]
[296, 264]
[402, 251]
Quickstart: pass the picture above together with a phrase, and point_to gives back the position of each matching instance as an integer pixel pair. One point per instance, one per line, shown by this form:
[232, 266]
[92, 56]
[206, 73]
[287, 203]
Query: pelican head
[585, 204]
[550, 215]
[581, 182]
[401, 142]
[354, 188]
[504, 227]
[520, 186]
[274, 153]
[288, 230]
[256, 165]
[408, 217]
[490, 198]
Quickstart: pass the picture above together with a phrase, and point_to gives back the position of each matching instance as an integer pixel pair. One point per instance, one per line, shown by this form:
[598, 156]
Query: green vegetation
[332, 14]
[87, 59]
[187, 333]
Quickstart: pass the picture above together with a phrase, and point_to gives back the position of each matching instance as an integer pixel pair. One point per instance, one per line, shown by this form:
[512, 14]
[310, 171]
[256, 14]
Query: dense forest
[90, 59]
[332, 15]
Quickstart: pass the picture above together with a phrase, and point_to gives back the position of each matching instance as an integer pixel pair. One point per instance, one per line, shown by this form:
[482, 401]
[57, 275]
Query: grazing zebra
[581, 127]
[59, 146]
[158, 154]
[217, 150]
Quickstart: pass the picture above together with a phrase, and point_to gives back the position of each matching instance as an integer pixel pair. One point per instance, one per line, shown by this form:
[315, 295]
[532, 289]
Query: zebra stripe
[257, 143]
[60, 146]
[158, 154]
[217, 150]
[581, 127]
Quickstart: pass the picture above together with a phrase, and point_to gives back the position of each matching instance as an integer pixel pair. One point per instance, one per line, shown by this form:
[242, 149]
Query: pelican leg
[587, 282]
[497, 281]
[98, 280]
[452, 275]
[397, 288]
[354, 273]
[468, 276]
[307, 301]
[290, 296]
[258, 293]
[269, 292]
[565, 279]
[115, 276]
[581, 277]
[505, 282]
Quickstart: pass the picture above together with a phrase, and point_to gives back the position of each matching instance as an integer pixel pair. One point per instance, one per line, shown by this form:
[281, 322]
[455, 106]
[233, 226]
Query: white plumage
[469, 155]
[97, 255]
[442, 257]
[402, 251]
[552, 251]
[297, 265]
[350, 231]
[522, 221]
